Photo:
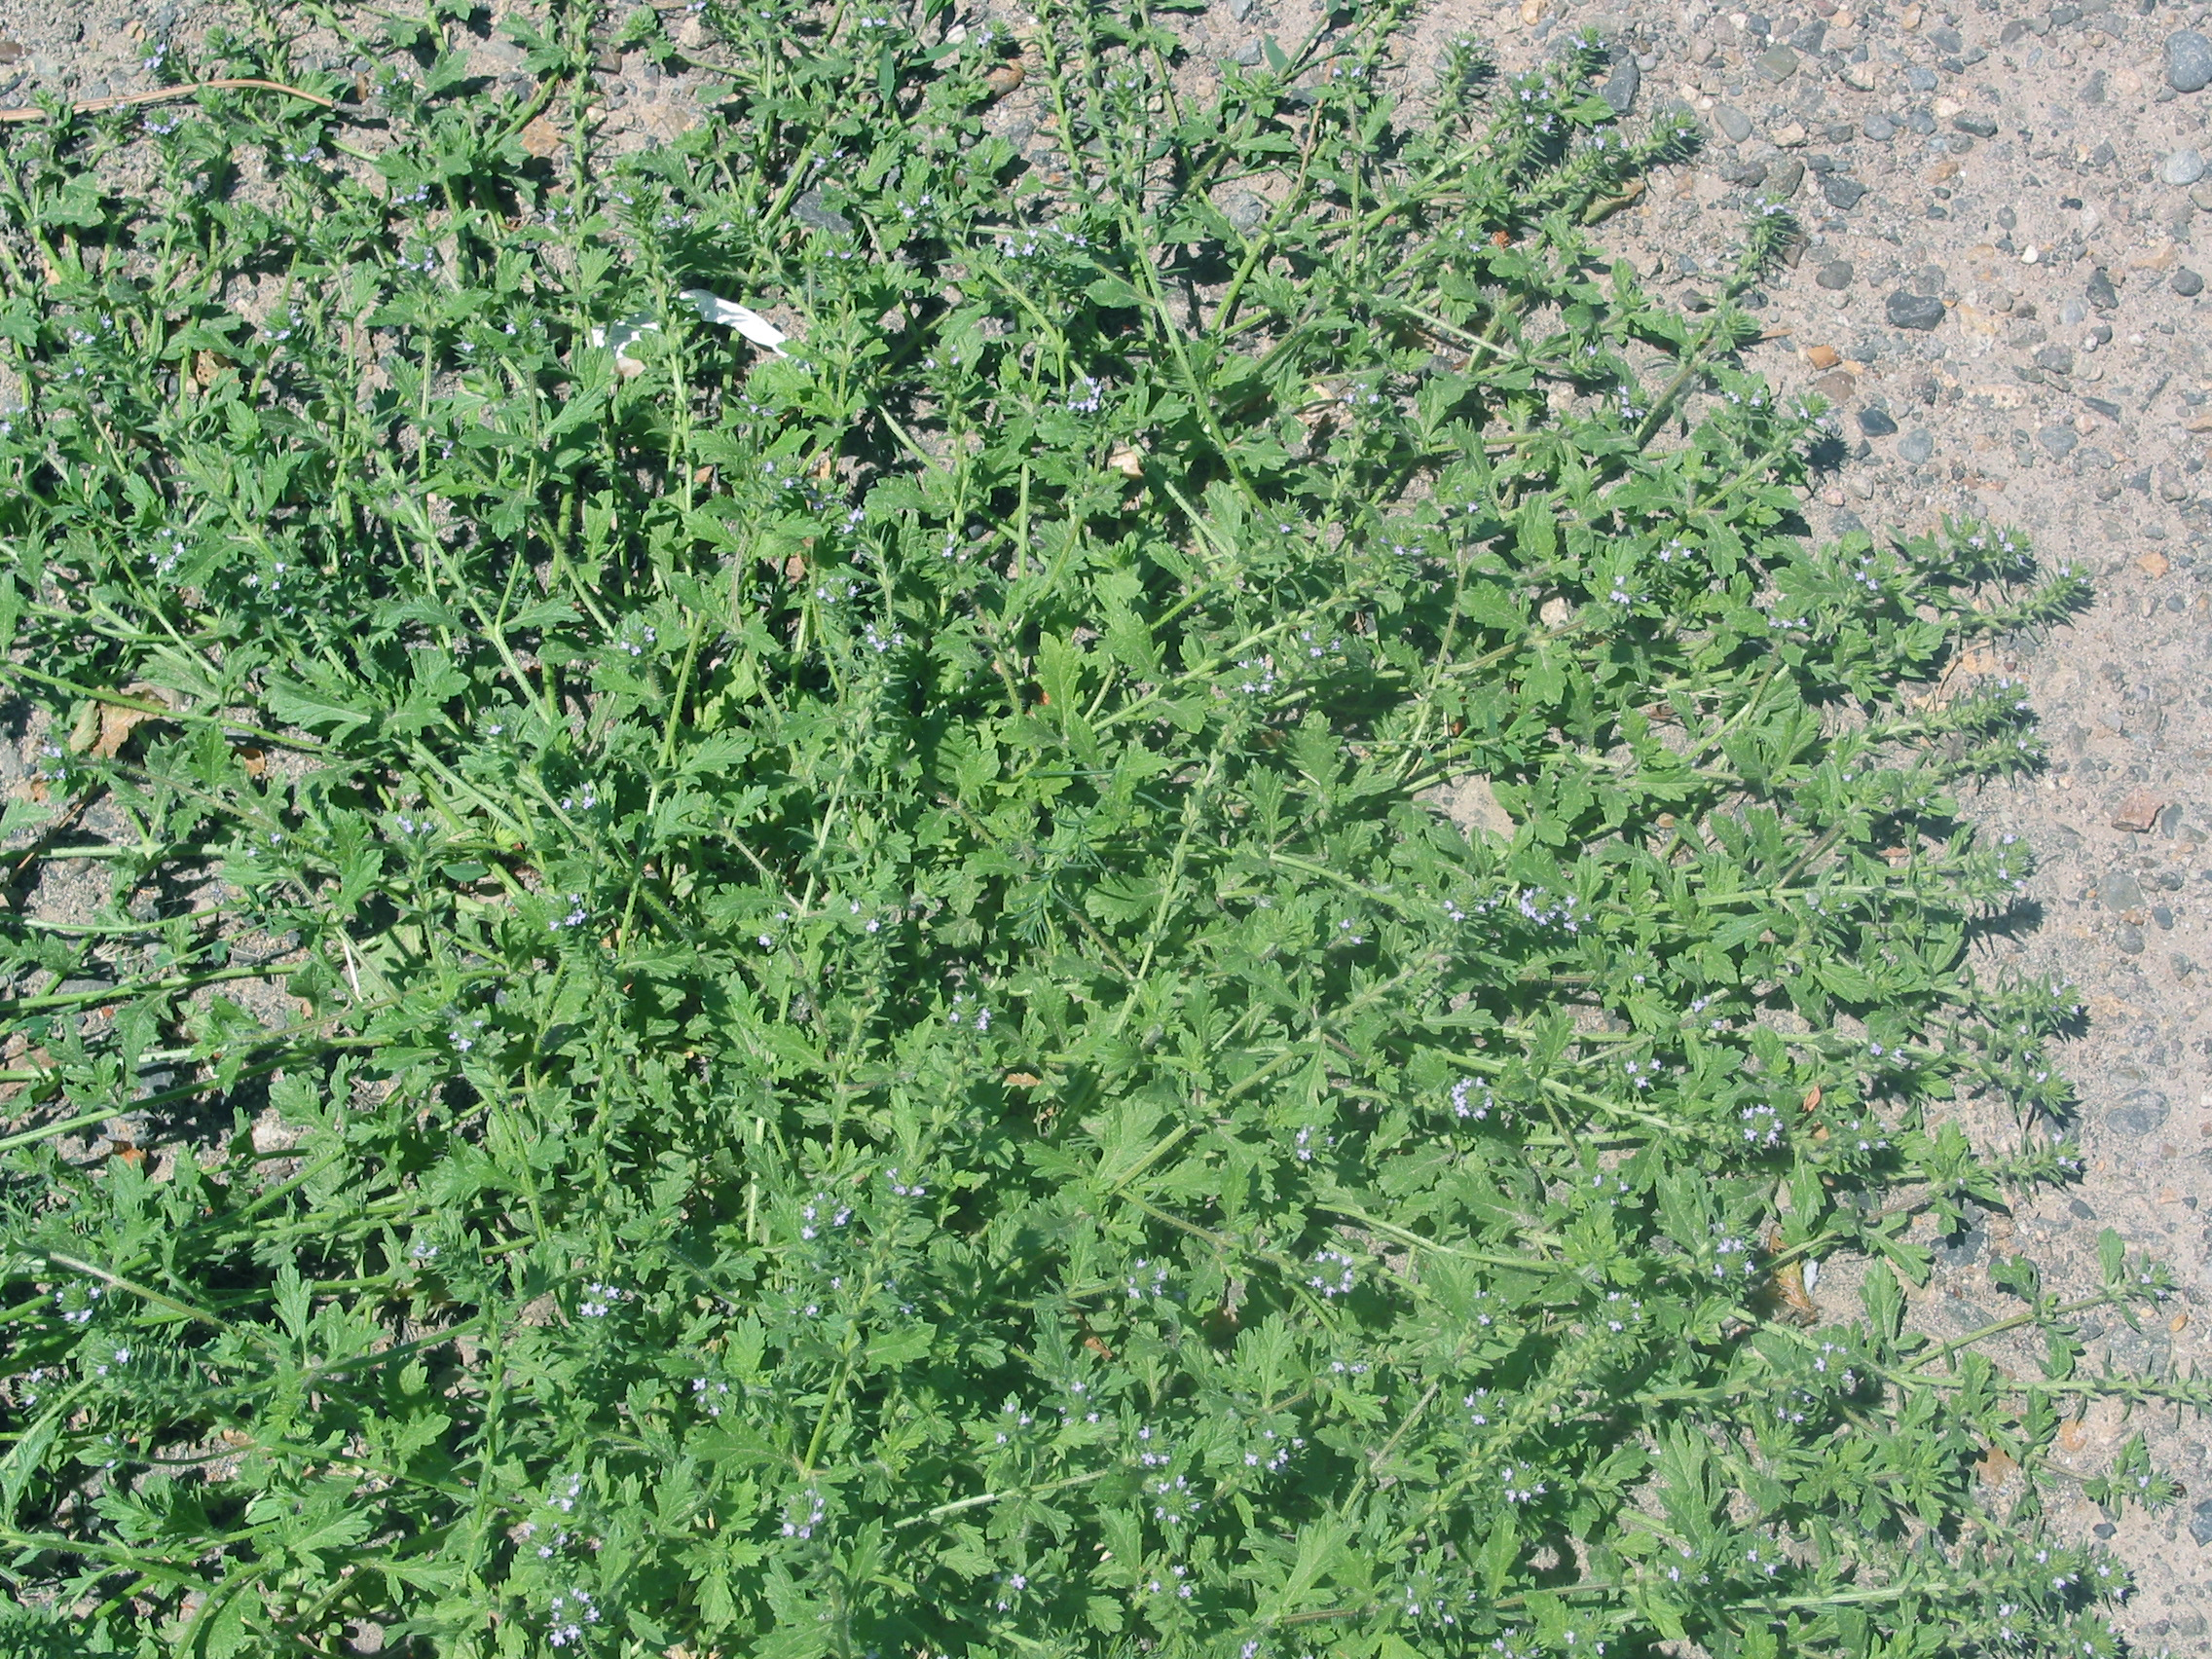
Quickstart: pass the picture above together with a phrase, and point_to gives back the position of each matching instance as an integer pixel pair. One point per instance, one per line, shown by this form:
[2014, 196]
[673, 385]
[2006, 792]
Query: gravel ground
[2009, 220]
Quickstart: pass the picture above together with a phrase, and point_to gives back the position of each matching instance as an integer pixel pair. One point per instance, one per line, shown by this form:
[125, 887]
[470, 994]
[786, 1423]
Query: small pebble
[2102, 294]
[2183, 167]
[1733, 123]
[2057, 441]
[2186, 283]
[1778, 63]
[2129, 938]
[1842, 194]
[1836, 274]
[1913, 311]
[1620, 88]
[1918, 445]
[1920, 80]
[2140, 1111]
[2188, 61]
[1876, 423]
[1879, 128]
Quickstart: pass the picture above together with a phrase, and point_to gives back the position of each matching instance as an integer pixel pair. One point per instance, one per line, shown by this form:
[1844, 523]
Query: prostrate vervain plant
[836, 1018]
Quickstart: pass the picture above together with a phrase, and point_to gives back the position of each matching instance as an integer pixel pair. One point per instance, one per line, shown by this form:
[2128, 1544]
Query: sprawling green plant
[799, 998]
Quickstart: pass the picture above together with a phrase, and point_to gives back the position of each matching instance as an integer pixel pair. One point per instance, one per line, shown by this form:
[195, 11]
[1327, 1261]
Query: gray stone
[1733, 123]
[812, 210]
[1963, 1248]
[1778, 63]
[1980, 125]
[2183, 167]
[1879, 128]
[1835, 274]
[1920, 80]
[1876, 423]
[2057, 441]
[2058, 360]
[2201, 1522]
[1920, 121]
[1913, 311]
[1918, 445]
[2140, 1112]
[1783, 175]
[1620, 87]
[1842, 194]
[1245, 210]
[2188, 61]
[2186, 283]
[2144, 1352]
[2102, 294]
[2117, 890]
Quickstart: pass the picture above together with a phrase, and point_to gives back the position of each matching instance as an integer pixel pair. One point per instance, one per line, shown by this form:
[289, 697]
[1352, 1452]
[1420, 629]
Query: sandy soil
[2009, 219]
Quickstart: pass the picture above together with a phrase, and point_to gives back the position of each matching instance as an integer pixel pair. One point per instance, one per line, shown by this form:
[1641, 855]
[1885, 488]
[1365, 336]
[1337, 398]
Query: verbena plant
[865, 1043]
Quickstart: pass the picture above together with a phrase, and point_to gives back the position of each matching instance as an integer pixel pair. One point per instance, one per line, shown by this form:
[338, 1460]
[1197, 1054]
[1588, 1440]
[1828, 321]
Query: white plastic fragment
[623, 334]
[729, 313]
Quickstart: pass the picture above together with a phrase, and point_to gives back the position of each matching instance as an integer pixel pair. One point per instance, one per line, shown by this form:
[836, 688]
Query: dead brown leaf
[1790, 1282]
[118, 720]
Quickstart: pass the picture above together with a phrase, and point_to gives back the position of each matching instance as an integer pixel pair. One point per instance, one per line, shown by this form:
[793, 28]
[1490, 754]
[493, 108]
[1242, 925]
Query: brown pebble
[2139, 812]
[1822, 356]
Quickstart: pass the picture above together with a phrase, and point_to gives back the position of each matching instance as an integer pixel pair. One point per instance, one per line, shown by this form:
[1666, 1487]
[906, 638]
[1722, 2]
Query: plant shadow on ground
[879, 1047]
